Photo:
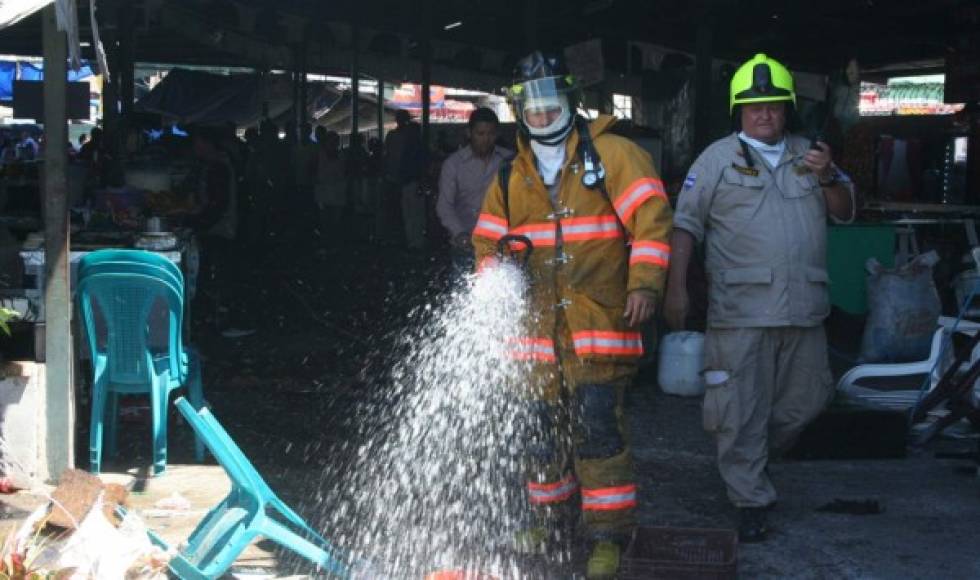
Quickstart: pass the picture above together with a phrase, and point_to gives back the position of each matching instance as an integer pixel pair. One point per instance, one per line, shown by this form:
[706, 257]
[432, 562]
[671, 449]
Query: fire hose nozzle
[506, 250]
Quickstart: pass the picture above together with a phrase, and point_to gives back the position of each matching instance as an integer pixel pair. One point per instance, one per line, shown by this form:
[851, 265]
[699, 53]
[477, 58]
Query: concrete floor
[928, 529]
[278, 398]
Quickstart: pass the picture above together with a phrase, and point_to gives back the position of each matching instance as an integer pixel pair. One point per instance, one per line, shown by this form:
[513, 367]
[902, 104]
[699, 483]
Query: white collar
[549, 159]
[771, 153]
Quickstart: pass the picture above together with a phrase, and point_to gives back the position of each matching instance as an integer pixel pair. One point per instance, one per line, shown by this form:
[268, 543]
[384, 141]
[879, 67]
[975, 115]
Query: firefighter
[759, 200]
[597, 215]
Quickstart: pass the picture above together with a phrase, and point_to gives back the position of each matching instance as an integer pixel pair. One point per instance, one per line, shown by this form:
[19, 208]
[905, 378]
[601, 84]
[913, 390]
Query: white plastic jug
[681, 363]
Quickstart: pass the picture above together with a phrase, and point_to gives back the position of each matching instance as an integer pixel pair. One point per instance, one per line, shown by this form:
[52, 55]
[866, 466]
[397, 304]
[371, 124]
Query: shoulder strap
[503, 179]
[587, 147]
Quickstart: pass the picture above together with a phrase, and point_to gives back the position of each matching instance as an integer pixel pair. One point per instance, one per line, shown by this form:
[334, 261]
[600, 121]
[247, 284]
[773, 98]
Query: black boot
[752, 526]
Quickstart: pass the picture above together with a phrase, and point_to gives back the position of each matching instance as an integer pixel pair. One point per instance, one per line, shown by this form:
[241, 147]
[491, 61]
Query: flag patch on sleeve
[690, 180]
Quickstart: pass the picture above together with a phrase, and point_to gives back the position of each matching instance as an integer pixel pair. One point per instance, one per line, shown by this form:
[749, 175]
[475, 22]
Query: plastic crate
[680, 553]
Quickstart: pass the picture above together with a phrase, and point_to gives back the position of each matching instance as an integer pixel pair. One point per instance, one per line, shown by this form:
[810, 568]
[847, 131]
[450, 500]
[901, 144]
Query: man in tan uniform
[759, 200]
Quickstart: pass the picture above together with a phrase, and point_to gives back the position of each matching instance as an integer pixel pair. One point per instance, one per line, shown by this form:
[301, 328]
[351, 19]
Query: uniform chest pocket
[743, 178]
[739, 196]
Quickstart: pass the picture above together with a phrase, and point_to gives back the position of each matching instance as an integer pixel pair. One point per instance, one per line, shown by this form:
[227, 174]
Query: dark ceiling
[816, 36]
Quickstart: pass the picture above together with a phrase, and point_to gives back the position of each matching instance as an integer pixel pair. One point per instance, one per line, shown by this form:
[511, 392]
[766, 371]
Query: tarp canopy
[27, 71]
[191, 97]
[13, 11]
[338, 116]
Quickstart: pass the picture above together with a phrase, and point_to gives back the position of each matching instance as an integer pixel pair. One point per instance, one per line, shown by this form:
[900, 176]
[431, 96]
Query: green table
[848, 248]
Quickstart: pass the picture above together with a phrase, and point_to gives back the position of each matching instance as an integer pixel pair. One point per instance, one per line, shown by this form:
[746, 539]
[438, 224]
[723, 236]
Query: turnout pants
[763, 386]
[580, 459]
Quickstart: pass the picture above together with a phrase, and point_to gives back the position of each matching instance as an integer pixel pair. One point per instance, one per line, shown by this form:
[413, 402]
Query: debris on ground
[79, 534]
[76, 494]
[867, 507]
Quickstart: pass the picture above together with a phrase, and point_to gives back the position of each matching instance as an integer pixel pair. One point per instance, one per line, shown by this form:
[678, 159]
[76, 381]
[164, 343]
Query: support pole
[530, 26]
[111, 121]
[294, 75]
[304, 98]
[59, 392]
[702, 83]
[426, 69]
[127, 61]
[381, 109]
[355, 85]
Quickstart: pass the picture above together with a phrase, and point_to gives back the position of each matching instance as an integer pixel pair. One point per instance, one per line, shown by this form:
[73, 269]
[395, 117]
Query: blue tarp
[8, 70]
[31, 72]
[35, 72]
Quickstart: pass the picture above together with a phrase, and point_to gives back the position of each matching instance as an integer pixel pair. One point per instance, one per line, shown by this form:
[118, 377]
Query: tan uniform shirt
[765, 231]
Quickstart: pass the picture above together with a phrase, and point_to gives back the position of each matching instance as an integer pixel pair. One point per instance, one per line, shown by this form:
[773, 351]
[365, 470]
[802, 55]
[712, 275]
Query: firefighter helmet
[541, 83]
[761, 80]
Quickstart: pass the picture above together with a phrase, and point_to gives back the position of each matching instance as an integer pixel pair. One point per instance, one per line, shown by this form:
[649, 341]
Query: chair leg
[218, 546]
[195, 393]
[95, 429]
[111, 421]
[193, 541]
[160, 396]
[290, 515]
[285, 537]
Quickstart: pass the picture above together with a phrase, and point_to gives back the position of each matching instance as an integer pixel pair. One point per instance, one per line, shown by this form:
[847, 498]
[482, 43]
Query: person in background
[463, 182]
[28, 148]
[375, 178]
[846, 96]
[404, 166]
[304, 168]
[759, 199]
[330, 186]
[214, 212]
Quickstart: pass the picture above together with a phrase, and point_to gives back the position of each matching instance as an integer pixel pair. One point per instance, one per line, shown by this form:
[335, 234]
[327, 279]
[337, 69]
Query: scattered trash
[77, 534]
[98, 549]
[7, 485]
[867, 507]
[237, 332]
[76, 494]
[174, 501]
[134, 410]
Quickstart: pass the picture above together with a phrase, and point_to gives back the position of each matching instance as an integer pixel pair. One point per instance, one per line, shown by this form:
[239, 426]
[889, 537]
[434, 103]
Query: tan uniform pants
[763, 386]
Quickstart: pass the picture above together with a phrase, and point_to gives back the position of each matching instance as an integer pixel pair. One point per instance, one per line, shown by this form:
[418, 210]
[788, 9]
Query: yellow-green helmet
[761, 80]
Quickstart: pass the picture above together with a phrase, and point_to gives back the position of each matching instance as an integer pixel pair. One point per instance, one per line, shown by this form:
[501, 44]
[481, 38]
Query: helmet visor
[539, 102]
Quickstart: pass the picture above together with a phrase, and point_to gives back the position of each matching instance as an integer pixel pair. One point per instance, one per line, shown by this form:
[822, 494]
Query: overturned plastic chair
[125, 364]
[249, 511]
[940, 357]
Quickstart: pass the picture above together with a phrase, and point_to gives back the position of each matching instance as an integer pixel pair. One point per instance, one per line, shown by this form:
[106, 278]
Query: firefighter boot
[603, 560]
[531, 541]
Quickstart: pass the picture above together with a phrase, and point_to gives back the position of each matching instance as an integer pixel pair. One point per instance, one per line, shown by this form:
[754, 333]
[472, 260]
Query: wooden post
[59, 392]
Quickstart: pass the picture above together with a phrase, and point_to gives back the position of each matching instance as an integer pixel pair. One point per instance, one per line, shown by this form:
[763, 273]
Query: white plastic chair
[904, 399]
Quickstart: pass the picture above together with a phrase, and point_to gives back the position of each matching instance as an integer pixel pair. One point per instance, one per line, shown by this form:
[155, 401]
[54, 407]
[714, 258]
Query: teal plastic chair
[130, 256]
[140, 262]
[249, 511]
[125, 364]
